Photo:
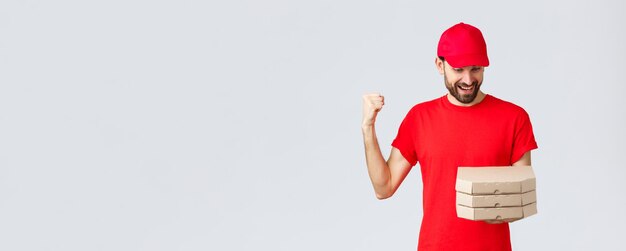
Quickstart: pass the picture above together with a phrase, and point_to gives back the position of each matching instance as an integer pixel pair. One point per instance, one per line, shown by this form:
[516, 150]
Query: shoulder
[506, 106]
[426, 106]
[507, 111]
[420, 112]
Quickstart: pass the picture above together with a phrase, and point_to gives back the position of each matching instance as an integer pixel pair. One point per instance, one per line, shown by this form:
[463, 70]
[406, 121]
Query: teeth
[466, 88]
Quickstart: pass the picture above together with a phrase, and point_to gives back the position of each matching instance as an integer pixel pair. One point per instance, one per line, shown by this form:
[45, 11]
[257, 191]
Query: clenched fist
[372, 104]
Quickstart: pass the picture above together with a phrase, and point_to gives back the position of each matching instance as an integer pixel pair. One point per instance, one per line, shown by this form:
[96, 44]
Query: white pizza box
[503, 200]
[495, 180]
[500, 213]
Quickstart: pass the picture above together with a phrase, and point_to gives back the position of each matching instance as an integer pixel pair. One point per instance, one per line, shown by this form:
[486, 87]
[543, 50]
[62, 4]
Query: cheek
[453, 80]
[478, 77]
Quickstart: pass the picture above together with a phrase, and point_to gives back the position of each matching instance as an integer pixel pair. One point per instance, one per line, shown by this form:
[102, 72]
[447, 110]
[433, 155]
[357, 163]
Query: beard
[463, 98]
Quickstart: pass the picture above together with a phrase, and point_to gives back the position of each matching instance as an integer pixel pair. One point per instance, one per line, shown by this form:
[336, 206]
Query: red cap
[463, 45]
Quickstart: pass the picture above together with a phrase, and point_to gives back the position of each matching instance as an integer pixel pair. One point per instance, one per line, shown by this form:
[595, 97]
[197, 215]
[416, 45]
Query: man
[465, 127]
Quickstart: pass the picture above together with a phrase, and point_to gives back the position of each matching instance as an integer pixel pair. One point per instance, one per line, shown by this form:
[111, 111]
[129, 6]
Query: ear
[440, 64]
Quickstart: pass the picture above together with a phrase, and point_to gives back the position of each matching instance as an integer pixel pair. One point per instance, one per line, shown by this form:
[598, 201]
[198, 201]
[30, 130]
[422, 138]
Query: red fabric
[463, 45]
[442, 137]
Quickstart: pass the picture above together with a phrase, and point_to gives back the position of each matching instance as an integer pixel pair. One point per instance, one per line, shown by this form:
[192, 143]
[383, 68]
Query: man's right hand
[386, 175]
[372, 104]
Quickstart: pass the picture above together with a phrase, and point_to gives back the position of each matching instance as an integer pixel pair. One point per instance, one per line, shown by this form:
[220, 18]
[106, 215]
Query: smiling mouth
[466, 88]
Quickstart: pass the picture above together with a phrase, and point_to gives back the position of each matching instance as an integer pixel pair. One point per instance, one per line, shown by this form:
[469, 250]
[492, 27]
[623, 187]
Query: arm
[524, 160]
[386, 176]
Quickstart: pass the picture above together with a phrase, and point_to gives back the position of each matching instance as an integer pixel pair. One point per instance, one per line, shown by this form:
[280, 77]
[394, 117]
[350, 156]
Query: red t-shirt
[442, 137]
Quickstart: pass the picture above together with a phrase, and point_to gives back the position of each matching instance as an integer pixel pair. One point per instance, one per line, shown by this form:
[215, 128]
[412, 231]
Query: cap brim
[467, 60]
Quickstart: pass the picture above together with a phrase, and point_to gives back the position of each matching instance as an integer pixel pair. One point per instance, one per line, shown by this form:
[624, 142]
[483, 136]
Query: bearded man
[465, 127]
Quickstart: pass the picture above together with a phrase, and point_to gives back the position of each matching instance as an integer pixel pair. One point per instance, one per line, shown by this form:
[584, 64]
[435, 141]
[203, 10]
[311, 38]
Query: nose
[467, 78]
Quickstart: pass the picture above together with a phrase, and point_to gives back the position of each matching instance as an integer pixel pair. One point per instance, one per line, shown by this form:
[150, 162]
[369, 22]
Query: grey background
[235, 125]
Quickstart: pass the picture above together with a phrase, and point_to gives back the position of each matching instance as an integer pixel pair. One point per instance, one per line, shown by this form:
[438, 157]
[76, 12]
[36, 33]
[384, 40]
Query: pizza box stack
[495, 193]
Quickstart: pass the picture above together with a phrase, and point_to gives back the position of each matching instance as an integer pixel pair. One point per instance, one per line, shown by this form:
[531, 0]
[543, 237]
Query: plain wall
[235, 125]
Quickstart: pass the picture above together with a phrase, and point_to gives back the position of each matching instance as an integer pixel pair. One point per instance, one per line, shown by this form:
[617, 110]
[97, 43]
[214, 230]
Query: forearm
[377, 167]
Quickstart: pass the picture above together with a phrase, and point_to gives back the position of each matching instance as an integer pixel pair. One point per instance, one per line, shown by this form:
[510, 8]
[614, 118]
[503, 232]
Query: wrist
[367, 127]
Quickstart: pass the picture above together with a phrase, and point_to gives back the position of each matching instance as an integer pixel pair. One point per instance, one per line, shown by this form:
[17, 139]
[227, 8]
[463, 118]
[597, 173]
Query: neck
[479, 97]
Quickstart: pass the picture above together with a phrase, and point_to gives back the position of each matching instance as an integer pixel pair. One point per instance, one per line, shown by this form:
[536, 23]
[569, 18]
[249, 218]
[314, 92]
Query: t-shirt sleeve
[405, 140]
[524, 138]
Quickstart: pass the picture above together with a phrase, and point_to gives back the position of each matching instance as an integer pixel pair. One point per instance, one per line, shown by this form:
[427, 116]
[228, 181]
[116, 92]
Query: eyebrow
[473, 67]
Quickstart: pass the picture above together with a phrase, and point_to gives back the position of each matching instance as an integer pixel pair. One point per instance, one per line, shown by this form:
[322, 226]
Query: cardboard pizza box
[506, 200]
[495, 180]
[500, 213]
